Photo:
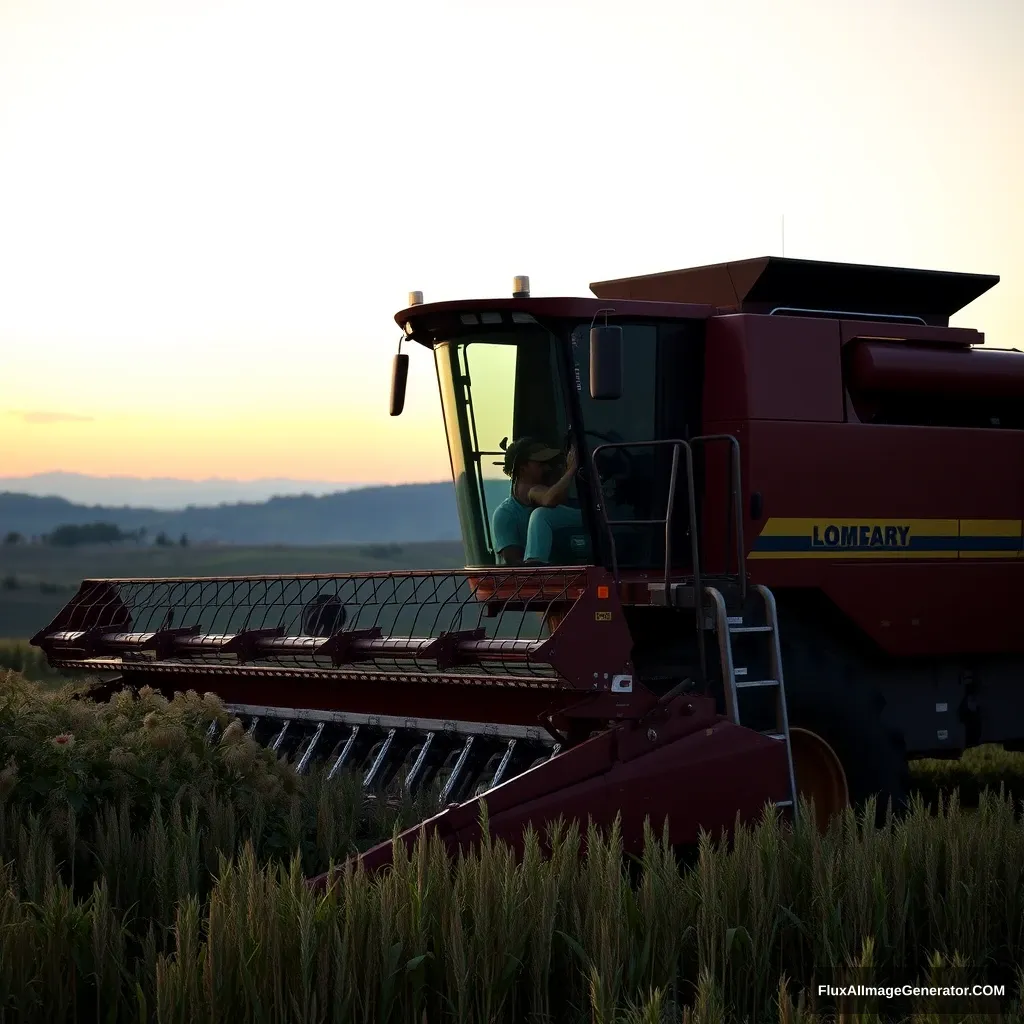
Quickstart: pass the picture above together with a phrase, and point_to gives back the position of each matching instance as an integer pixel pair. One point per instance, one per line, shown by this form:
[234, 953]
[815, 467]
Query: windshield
[495, 387]
[508, 383]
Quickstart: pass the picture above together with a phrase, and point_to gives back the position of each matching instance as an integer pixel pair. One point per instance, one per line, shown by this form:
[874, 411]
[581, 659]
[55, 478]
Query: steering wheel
[619, 458]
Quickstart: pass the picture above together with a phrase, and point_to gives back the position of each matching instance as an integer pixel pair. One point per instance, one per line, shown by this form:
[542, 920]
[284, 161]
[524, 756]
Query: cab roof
[766, 285]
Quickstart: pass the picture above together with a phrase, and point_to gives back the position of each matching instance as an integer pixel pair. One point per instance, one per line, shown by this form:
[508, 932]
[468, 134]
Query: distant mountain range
[404, 513]
[162, 492]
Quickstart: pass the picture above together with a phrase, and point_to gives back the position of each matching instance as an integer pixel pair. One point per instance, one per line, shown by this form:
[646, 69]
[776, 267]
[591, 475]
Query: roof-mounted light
[521, 287]
[415, 298]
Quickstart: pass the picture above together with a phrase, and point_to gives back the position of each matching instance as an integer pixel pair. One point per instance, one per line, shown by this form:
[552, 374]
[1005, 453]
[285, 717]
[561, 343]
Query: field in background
[36, 580]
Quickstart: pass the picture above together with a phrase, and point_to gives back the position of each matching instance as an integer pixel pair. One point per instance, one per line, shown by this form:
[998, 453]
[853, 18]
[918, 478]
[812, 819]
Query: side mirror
[605, 362]
[399, 375]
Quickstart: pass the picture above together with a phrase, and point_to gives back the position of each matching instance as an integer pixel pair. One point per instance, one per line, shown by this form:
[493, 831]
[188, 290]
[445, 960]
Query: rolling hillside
[163, 492]
[402, 514]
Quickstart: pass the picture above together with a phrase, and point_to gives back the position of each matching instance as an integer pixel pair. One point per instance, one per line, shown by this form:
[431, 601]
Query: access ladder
[732, 631]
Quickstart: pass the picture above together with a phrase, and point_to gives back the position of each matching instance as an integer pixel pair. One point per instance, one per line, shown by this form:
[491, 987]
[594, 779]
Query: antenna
[783, 234]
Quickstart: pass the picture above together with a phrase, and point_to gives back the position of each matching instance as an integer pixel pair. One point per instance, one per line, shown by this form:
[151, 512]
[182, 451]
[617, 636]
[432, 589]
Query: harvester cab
[632, 666]
[622, 391]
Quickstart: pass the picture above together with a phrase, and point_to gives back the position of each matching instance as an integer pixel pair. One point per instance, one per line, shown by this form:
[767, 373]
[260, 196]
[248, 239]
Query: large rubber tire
[832, 696]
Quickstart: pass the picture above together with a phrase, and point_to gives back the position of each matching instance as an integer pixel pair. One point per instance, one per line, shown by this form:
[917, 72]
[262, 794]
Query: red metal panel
[686, 763]
[934, 608]
[864, 470]
[950, 605]
[291, 687]
[773, 368]
[726, 374]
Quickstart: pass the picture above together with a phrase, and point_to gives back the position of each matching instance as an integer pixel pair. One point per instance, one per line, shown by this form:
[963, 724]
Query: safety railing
[733, 518]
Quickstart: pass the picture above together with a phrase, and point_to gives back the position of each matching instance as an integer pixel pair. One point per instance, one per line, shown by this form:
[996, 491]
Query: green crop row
[151, 876]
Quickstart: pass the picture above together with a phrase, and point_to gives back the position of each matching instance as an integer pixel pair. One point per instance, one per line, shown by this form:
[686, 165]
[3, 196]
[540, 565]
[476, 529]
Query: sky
[211, 211]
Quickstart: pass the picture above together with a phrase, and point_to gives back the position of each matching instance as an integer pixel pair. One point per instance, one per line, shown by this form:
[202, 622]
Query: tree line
[75, 535]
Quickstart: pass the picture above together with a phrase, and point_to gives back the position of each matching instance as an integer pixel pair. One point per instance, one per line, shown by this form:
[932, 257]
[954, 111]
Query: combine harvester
[782, 463]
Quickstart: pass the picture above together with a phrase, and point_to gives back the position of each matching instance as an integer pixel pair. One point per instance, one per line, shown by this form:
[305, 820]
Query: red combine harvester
[781, 463]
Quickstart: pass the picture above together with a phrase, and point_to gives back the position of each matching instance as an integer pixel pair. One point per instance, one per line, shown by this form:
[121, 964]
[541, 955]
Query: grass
[37, 563]
[150, 876]
[556, 939]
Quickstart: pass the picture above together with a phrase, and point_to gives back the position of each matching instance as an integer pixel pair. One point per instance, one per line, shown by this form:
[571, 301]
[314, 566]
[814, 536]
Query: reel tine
[343, 756]
[300, 768]
[417, 767]
[379, 760]
[276, 742]
[452, 780]
[504, 763]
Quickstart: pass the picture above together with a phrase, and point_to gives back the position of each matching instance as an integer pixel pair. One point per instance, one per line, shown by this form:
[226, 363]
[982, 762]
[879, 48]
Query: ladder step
[726, 626]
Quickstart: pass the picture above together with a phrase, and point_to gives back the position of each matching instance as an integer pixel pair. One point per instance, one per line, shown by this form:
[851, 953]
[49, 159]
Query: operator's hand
[570, 463]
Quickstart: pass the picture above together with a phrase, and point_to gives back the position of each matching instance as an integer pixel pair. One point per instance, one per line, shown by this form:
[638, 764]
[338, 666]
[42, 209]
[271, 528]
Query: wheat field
[150, 876]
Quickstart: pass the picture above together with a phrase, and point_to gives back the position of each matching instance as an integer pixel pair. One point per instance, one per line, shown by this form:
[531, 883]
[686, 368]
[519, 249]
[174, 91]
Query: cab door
[625, 484]
[660, 400]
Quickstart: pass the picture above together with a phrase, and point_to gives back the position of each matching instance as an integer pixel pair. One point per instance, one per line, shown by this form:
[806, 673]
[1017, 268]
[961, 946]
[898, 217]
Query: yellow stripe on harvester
[889, 538]
[990, 538]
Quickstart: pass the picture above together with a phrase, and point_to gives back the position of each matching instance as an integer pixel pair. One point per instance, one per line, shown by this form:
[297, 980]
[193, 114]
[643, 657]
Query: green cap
[527, 449]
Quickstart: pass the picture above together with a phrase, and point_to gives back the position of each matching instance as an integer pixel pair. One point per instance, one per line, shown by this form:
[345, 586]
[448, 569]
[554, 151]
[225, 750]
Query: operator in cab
[524, 524]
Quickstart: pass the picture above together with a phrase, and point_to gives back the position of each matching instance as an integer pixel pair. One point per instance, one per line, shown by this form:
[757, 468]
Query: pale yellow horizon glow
[210, 212]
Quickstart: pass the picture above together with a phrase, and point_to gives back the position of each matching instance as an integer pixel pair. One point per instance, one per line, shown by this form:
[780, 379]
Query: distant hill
[162, 492]
[404, 513]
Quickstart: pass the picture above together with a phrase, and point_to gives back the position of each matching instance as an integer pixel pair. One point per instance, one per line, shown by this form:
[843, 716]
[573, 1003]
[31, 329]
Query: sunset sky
[210, 212]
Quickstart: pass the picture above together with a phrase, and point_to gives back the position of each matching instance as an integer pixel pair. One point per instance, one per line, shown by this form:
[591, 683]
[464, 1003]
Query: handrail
[896, 317]
[676, 445]
[735, 510]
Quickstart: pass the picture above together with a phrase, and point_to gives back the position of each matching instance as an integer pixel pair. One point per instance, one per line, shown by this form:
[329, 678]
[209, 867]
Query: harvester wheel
[829, 692]
[819, 774]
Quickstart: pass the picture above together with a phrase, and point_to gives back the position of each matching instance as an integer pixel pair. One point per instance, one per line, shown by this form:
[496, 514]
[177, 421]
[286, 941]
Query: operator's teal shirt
[511, 521]
[509, 524]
